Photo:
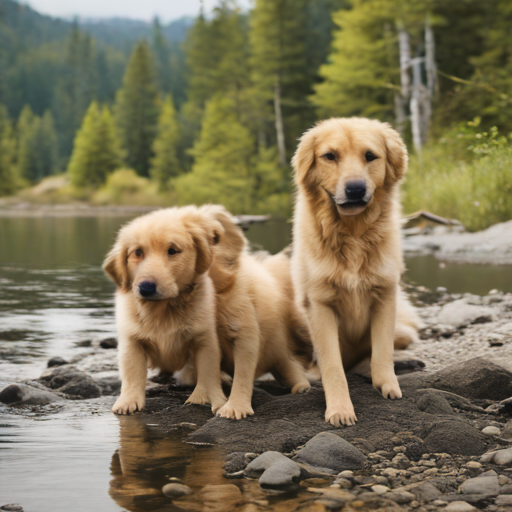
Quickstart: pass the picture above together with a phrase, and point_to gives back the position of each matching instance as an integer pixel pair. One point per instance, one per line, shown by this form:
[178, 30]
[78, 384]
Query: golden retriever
[258, 326]
[347, 256]
[165, 302]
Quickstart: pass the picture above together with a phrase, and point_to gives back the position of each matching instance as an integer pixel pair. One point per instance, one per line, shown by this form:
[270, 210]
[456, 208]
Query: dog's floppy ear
[304, 157]
[396, 155]
[115, 266]
[206, 233]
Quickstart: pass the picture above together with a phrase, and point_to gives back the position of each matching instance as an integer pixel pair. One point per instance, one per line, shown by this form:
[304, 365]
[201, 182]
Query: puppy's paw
[217, 402]
[128, 404]
[341, 416]
[235, 411]
[389, 388]
[301, 387]
[199, 397]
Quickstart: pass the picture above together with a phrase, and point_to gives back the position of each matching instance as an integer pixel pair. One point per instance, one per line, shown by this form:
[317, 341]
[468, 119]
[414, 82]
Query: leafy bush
[466, 175]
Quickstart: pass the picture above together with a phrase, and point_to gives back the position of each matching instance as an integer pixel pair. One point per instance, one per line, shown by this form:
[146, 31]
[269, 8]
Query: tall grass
[466, 175]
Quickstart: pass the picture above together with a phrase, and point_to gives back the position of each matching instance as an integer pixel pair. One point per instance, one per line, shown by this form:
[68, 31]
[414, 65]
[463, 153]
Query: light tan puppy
[165, 303]
[347, 255]
[258, 325]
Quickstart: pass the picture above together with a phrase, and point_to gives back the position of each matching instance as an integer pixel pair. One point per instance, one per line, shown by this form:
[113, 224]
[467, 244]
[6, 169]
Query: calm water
[78, 456]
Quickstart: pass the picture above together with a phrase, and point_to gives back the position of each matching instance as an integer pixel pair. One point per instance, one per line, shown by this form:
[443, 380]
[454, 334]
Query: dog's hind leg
[293, 374]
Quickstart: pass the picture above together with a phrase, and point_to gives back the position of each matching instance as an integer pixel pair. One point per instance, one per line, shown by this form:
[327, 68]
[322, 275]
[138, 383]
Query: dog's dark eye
[172, 250]
[370, 157]
[330, 156]
[138, 253]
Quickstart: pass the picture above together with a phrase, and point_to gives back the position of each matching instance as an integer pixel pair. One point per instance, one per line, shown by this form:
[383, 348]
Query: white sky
[166, 10]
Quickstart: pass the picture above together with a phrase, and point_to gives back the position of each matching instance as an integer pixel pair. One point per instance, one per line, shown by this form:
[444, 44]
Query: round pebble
[459, 506]
[473, 465]
[491, 431]
[346, 474]
[175, 490]
[380, 489]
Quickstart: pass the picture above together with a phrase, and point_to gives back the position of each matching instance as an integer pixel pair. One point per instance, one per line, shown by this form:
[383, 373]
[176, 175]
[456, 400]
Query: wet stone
[12, 507]
[69, 380]
[175, 490]
[459, 506]
[56, 361]
[22, 394]
[274, 470]
[108, 343]
[327, 450]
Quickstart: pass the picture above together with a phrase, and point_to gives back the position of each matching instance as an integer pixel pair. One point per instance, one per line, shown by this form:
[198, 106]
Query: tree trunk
[279, 122]
[405, 61]
[416, 100]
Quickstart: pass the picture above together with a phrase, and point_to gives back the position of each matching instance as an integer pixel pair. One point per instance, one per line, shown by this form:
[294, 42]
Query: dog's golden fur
[347, 257]
[257, 323]
[172, 248]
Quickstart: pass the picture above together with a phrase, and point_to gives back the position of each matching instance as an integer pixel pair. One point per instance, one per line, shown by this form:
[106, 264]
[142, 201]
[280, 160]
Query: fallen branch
[422, 214]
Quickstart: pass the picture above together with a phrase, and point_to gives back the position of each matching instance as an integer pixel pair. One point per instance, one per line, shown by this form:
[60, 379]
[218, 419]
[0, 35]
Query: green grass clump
[466, 175]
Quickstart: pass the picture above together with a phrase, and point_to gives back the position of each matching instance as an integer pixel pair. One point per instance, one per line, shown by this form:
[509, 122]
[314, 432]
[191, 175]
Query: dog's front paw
[389, 387]
[341, 415]
[218, 402]
[128, 404]
[199, 397]
[235, 411]
[301, 387]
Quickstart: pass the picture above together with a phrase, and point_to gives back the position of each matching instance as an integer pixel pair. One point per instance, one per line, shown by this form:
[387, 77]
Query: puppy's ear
[115, 266]
[396, 157]
[304, 157]
[206, 233]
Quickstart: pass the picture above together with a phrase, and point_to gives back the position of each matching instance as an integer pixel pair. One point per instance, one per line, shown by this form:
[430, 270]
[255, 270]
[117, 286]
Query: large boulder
[329, 451]
[456, 437]
[22, 394]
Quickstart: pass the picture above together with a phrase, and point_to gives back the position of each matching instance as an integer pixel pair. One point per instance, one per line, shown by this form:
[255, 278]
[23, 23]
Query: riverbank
[419, 453]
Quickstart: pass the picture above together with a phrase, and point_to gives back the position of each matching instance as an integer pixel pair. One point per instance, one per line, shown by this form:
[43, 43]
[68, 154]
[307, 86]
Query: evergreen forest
[210, 109]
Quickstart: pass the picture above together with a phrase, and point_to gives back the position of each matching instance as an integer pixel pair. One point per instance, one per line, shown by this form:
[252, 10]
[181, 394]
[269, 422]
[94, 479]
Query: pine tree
[96, 151]
[165, 164]
[280, 72]
[222, 171]
[38, 146]
[136, 110]
[9, 180]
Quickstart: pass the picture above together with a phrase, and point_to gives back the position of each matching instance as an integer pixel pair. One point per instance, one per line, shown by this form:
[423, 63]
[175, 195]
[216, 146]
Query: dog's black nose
[355, 190]
[147, 288]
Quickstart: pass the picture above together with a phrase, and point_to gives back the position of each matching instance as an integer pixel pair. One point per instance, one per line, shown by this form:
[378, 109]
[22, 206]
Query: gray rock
[274, 470]
[507, 430]
[108, 343]
[481, 485]
[503, 457]
[57, 361]
[67, 379]
[491, 431]
[504, 500]
[400, 497]
[459, 506]
[175, 490]
[459, 313]
[327, 450]
[476, 378]
[21, 394]
[454, 437]
[235, 461]
[12, 507]
[426, 492]
[434, 403]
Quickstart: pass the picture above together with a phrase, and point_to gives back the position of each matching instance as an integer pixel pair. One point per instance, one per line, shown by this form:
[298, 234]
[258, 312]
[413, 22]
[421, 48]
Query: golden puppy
[258, 326]
[165, 302]
[347, 256]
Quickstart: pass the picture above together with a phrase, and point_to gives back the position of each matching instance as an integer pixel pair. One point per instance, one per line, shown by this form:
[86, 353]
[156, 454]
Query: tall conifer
[96, 151]
[136, 110]
[9, 180]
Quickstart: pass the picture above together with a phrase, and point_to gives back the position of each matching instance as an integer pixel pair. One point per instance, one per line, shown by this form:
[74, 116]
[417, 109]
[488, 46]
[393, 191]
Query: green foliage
[96, 151]
[225, 169]
[37, 146]
[473, 185]
[9, 180]
[136, 109]
[165, 164]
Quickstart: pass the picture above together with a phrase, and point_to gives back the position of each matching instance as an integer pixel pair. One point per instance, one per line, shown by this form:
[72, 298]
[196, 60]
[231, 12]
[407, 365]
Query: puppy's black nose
[147, 288]
[355, 190]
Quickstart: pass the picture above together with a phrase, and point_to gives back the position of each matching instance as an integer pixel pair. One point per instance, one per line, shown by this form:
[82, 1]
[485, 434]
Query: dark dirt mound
[282, 422]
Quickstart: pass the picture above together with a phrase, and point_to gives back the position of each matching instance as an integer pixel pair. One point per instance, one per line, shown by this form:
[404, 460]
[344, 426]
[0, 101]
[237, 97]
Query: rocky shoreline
[446, 446]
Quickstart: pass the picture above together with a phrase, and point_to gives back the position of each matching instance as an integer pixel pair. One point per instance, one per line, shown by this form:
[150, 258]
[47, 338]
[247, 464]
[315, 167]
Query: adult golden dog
[347, 256]
[258, 326]
[165, 302]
